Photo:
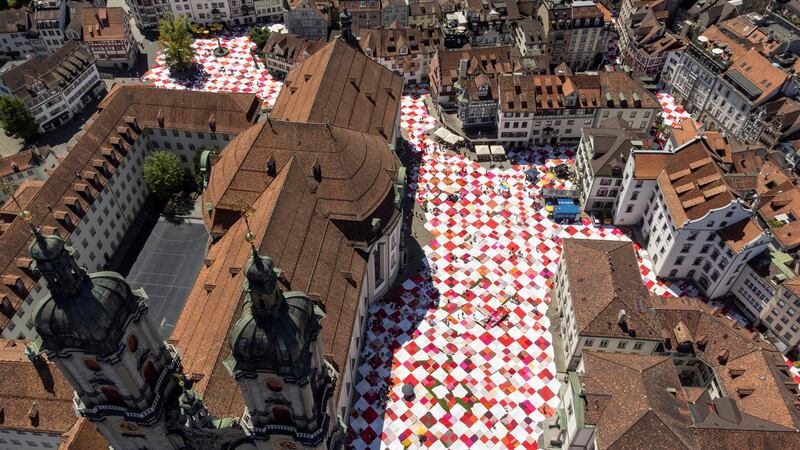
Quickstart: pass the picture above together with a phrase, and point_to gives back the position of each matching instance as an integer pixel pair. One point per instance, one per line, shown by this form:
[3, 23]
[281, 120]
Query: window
[274, 385]
[679, 260]
[91, 365]
[133, 343]
[604, 343]
[378, 265]
[621, 345]
[638, 346]
[589, 342]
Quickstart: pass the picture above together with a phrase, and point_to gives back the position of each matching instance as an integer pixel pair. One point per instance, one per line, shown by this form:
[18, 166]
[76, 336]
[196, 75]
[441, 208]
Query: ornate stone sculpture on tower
[97, 332]
[276, 357]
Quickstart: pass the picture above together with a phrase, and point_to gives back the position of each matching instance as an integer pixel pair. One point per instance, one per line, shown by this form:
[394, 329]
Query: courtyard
[469, 332]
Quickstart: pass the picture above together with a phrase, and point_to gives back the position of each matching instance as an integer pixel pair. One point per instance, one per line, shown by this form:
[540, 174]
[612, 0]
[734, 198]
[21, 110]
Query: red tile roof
[341, 86]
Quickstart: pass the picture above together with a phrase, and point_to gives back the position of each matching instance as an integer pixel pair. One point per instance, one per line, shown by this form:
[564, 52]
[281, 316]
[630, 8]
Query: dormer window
[404, 50]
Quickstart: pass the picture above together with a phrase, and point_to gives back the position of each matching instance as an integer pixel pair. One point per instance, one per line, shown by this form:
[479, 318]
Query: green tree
[16, 119]
[259, 36]
[163, 174]
[176, 41]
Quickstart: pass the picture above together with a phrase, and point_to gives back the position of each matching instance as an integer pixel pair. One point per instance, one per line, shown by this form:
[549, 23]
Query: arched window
[133, 343]
[113, 397]
[91, 364]
[150, 373]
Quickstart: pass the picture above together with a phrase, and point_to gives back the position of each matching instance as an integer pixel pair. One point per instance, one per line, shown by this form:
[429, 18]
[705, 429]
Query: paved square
[167, 266]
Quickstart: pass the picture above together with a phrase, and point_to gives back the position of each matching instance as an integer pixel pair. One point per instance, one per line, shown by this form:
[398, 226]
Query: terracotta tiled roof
[341, 86]
[716, 36]
[740, 359]
[627, 400]
[103, 24]
[648, 166]
[83, 436]
[356, 170]
[760, 72]
[54, 72]
[292, 227]
[693, 183]
[22, 196]
[614, 284]
[784, 201]
[490, 60]
[618, 84]
[30, 399]
[18, 162]
[745, 439]
[387, 42]
[16, 20]
[291, 47]
[741, 233]
[140, 105]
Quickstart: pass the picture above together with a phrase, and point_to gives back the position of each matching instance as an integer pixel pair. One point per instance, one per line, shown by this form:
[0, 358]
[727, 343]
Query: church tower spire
[276, 356]
[55, 261]
[97, 332]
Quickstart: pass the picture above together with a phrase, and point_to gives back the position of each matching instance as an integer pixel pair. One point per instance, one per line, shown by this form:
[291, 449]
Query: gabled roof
[31, 399]
[614, 284]
[292, 227]
[740, 358]
[693, 182]
[628, 402]
[612, 147]
[53, 72]
[341, 86]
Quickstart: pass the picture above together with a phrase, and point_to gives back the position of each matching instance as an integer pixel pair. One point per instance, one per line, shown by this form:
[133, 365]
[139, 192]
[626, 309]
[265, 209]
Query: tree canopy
[16, 119]
[176, 40]
[259, 36]
[163, 174]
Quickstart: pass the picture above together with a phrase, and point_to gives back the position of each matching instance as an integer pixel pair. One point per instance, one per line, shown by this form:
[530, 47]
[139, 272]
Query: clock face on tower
[288, 445]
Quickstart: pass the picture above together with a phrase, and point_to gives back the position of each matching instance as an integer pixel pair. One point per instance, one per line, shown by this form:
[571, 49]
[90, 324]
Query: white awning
[453, 139]
[442, 133]
[498, 150]
[482, 150]
[446, 136]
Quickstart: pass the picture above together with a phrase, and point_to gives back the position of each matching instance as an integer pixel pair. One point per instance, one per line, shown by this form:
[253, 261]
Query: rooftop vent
[317, 170]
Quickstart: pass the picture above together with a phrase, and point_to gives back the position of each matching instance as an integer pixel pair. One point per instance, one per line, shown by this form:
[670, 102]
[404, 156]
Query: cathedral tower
[96, 330]
[277, 359]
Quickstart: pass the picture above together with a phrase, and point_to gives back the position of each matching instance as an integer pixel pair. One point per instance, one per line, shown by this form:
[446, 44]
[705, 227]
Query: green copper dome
[276, 329]
[46, 248]
[277, 343]
[83, 312]
[93, 319]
